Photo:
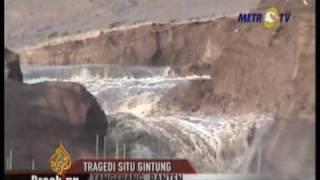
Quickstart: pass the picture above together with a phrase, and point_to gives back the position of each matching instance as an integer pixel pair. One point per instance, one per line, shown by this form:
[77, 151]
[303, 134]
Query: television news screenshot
[159, 89]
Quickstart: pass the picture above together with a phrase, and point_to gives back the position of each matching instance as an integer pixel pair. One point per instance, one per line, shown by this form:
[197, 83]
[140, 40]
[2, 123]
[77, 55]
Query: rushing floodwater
[138, 128]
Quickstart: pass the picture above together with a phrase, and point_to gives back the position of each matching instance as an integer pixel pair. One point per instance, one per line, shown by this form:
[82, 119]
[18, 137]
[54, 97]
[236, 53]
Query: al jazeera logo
[271, 19]
[60, 160]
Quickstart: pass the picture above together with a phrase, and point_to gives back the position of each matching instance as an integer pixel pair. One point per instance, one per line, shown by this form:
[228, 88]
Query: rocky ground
[39, 116]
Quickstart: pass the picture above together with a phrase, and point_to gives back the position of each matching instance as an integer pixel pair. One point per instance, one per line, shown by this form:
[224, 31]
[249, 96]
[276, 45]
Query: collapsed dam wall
[252, 69]
[142, 44]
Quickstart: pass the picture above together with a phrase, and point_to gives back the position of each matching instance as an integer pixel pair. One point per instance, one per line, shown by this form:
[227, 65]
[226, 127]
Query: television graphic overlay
[60, 161]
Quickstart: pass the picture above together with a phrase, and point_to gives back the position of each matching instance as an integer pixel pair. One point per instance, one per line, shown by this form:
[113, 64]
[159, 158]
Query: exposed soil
[32, 21]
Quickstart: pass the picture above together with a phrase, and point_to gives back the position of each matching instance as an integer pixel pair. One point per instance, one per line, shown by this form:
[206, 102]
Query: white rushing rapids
[138, 128]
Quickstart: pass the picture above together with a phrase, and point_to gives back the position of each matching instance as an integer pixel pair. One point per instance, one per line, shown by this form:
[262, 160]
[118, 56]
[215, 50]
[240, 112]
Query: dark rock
[251, 134]
[12, 66]
[38, 116]
[140, 142]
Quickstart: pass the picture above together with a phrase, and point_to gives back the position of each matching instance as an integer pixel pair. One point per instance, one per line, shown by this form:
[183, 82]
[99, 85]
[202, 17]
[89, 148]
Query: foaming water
[130, 96]
[118, 89]
[95, 72]
[212, 144]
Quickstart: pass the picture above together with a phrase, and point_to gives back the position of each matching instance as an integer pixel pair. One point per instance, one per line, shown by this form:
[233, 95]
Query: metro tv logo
[270, 19]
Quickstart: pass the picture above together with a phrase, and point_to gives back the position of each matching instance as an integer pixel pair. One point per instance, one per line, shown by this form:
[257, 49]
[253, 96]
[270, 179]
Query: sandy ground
[31, 21]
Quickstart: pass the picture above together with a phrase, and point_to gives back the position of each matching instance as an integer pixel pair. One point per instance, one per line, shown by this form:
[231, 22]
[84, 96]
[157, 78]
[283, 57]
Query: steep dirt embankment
[258, 69]
[143, 44]
[261, 69]
[288, 149]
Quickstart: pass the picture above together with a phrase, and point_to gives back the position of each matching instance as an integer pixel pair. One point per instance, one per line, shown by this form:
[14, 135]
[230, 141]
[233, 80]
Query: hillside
[32, 21]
